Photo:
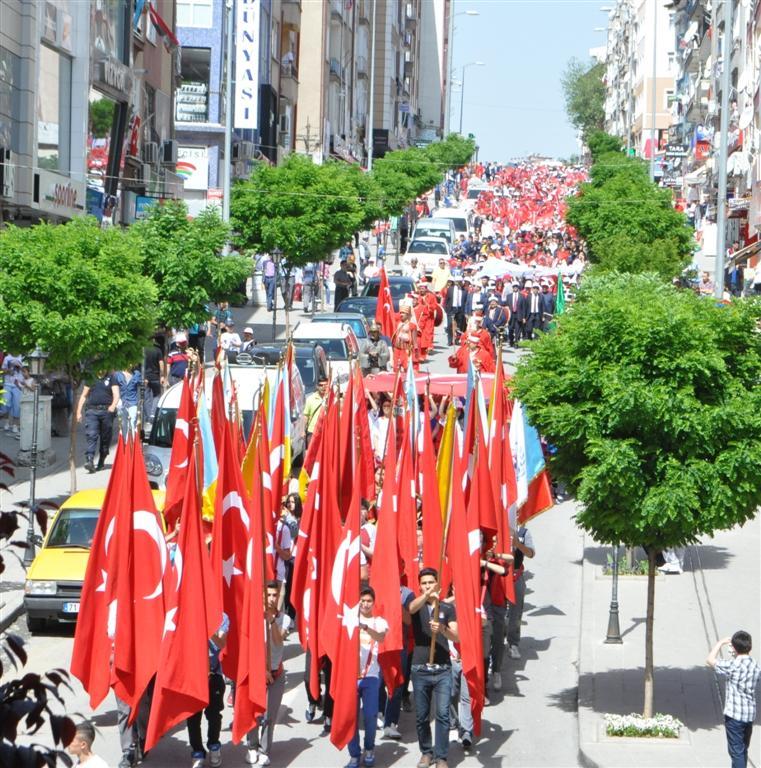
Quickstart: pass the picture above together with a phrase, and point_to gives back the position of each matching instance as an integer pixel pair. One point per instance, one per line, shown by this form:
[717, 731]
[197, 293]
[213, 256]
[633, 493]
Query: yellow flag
[444, 459]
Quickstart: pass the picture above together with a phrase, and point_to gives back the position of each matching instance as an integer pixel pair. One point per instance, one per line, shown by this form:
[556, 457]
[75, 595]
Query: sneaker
[89, 466]
[126, 762]
[264, 759]
[15, 430]
[424, 762]
[467, 740]
[513, 652]
[215, 756]
[442, 764]
[369, 758]
[496, 681]
[7, 428]
[326, 727]
[353, 763]
[309, 715]
[391, 732]
[252, 757]
[101, 463]
[198, 762]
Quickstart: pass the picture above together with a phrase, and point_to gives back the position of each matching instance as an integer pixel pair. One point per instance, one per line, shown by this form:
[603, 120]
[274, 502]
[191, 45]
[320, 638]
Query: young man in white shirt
[372, 631]
[81, 747]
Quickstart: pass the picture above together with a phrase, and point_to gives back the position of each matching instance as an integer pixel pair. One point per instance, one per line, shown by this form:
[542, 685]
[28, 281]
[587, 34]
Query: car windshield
[474, 194]
[335, 349]
[366, 308]
[421, 246]
[163, 427]
[399, 289]
[305, 364]
[73, 528]
[353, 322]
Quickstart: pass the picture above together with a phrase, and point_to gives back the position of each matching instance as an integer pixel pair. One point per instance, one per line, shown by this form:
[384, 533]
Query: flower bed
[660, 726]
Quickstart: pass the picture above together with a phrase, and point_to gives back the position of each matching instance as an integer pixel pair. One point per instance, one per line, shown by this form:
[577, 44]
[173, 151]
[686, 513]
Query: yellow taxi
[54, 580]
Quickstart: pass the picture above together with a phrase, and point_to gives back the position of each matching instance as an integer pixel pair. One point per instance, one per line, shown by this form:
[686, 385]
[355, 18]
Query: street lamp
[614, 628]
[449, 67]
[36, 369]
[462, 86]
[276, 254]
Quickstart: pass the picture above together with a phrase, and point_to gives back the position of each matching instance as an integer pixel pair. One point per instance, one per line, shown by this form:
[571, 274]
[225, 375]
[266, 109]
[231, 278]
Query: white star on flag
[229, 570]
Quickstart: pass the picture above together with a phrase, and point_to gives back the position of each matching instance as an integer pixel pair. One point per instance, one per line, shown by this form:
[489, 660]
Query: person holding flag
[372, 632]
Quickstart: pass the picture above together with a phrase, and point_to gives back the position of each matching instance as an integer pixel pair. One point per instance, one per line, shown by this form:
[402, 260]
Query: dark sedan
[400, 286]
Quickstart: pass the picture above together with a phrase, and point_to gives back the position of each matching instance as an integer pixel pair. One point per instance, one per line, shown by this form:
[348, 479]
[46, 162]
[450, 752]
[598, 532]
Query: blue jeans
[269, 287]
[393, 706]
[368, 694]
[738, 740]
[433, 684]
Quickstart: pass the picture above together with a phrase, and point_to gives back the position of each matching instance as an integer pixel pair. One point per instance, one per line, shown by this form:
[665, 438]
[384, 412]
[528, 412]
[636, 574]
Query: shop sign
[114, 76]
[61, 195]
[247, 64]
[193, 166]
[677, 150]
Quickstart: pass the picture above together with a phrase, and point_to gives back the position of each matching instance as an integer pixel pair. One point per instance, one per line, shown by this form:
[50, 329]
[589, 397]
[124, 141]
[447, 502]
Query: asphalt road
[531, 722]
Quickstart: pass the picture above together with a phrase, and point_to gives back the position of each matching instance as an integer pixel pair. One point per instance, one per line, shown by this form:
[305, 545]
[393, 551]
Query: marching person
[405, 338]
[523, 547]
[259, 740]
[314, 404]
[454, 306]
[213, 711]
[434, 623]
[372, 631]
[534, 312]
[98, 404]
[517, 304]
[375, 356]
[495, 318]
[548, 305]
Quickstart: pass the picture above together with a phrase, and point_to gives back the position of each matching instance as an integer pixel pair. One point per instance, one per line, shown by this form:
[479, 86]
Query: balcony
[361, 66]
[409, 68]
[410, 19]
[336, 70]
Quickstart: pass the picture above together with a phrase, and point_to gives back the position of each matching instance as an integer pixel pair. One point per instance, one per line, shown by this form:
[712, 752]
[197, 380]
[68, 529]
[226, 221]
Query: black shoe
[309, 715]
[89, 466]
[467, 740]
[406, 702]
[101, 463]
[326, 727]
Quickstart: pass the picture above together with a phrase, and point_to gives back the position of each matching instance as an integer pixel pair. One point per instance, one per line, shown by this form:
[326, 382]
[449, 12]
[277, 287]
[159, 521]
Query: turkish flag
[408, 542]
[428, 490]
[366, 468]
[385, 316]
[90, 657]
[251, 683]
[539, 498]
[144, 583]
[342, 617]
[464, 550]
[182, 680]
[277, 446]
[179, 459]
[218, 410]
[384, 577]
[230, 535]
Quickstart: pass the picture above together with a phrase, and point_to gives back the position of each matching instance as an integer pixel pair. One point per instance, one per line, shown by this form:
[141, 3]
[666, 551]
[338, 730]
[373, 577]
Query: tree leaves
[584, 92]
[649, 395]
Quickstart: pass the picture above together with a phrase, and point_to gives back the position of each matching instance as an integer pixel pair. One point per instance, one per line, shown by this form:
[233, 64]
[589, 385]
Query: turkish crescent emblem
[348, 549]
[145, 521]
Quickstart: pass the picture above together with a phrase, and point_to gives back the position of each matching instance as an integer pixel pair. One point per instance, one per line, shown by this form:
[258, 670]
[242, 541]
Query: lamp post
[614, 629]
[276, 254]
[462, 87]
[450, 67]
[36, 369]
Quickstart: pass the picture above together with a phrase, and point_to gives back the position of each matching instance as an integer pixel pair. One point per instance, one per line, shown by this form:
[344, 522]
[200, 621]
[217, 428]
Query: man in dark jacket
[548, 305]
[516, 303]
[454, 306]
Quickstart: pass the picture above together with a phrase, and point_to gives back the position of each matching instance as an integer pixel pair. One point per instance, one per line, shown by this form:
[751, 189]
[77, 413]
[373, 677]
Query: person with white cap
[248, 339]
[534, 313]
[518, 306]
[495, 318]
[230, 341]
[405, 338]
[454, 306]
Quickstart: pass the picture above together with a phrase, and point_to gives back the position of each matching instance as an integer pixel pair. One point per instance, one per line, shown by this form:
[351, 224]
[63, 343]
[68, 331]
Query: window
[192, 100]
[107, 24]
[668, 97]
[74, 528]
[53, 111]
[194, 13]
[10, 99]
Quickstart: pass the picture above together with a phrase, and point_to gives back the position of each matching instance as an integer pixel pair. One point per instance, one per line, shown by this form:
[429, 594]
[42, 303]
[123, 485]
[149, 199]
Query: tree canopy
[628, 222]
[183, 258]
[584, 92]
[77, 290]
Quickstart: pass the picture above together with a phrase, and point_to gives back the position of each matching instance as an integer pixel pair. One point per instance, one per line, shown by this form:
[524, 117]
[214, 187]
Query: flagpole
[262, 512]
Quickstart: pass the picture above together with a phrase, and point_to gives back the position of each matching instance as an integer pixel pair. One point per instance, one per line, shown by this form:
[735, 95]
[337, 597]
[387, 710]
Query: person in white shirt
[229, 339]
[413, 269]
[372, 631]
[81, 746]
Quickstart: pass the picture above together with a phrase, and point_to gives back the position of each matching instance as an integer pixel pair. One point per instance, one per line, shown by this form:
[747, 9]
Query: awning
[440, 383]
[743, 254]
[696, 177]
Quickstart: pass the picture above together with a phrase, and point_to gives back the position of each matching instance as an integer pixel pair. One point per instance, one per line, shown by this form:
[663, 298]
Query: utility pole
[228, 112]
[371, 111]
[721, 204]
[654, 97]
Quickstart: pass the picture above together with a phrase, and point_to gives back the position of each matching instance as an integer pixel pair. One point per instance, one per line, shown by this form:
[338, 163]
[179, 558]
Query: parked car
[248, 376]
[309, 358]
[53, 586]
[363, 305]
[431, 227]
[356, 320]
[338, 341]
[400, 286]
[428, 251]
[459, 217]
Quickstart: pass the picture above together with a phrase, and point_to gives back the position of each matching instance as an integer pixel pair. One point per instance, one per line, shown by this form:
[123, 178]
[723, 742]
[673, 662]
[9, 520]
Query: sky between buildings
[514, 104]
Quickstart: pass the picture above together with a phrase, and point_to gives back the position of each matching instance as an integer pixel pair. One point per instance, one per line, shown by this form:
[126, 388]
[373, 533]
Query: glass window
[10, 99]
[163, 427]
[74, 528]
[192, 98]
[53, 111]
[194, 13]
[107, 26]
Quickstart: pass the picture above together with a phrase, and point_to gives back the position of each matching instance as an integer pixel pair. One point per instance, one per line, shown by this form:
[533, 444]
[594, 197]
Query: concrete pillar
[45, 453]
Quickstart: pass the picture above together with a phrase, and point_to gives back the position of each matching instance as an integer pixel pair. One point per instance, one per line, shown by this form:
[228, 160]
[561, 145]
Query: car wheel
[34, 624]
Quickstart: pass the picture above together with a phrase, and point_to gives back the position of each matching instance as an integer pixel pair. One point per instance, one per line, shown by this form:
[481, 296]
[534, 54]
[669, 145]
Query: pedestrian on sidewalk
[97, 404]
[742, 674]
[81, 746]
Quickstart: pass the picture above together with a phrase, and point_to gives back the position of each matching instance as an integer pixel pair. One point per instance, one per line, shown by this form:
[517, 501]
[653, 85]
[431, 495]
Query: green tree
[584, 92]
[101, 117]
[183, 258]
[650, 395]
[305, 210]
[452, 152]
[600, 143]
[79, 292]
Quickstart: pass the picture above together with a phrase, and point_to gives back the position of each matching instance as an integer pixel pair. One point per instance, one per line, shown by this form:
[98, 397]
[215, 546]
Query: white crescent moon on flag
[233, 500]
[348, 549]
[183, 426]
[178, 566]
[146, 521]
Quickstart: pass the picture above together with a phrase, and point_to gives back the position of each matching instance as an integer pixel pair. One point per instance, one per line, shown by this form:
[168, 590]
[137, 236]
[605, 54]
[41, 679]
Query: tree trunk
[648, 704]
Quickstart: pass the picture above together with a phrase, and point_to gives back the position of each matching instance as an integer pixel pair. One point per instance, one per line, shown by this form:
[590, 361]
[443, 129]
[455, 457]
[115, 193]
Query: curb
[11, 611]
[586, 686]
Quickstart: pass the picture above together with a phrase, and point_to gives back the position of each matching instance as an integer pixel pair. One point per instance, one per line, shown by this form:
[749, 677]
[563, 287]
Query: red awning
[441, 383]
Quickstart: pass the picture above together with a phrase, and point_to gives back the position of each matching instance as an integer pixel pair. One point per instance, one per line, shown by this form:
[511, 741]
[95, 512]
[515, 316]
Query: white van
[431, 227]
[459, 217]
[249, 380]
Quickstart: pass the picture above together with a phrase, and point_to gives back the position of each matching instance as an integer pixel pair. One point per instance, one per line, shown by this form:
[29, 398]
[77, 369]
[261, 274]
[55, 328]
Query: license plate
[71, 607]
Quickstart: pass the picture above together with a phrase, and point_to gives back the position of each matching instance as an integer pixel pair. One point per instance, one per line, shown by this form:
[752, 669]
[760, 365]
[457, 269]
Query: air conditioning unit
[150, 152]
[7, 173]
[285, 123]
[169, 152]
[243, 150]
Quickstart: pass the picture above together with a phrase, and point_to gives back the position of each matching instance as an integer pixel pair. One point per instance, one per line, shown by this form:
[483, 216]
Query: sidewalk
[717, 594]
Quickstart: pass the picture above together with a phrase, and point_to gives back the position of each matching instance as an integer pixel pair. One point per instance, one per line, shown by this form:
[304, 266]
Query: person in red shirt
[405, 342]
[425, 314]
